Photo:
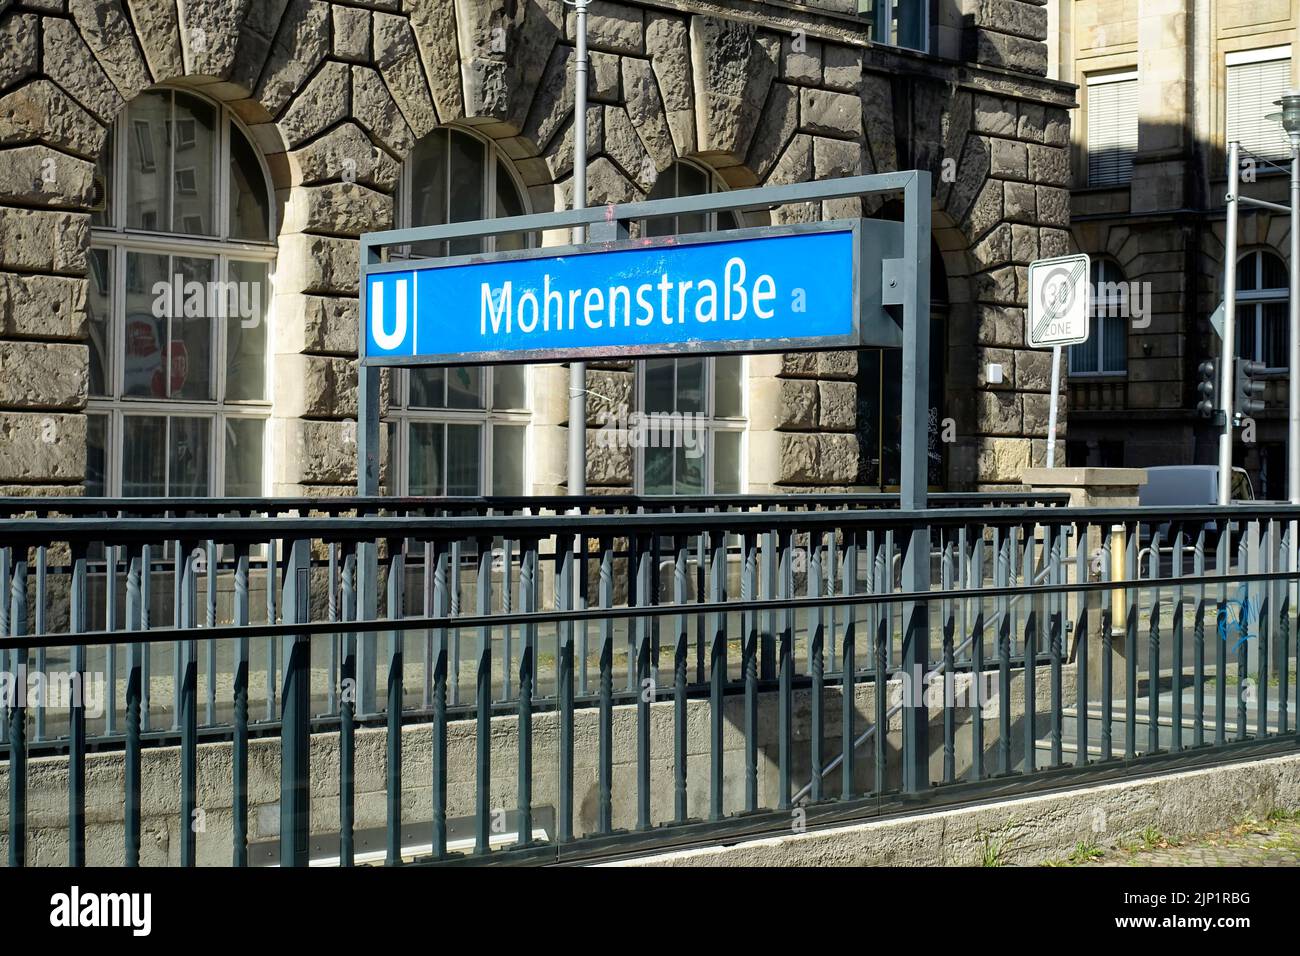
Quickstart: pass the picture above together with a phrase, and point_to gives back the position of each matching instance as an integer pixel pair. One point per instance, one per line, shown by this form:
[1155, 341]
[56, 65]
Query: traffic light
[1248, 390]
[1209, 375]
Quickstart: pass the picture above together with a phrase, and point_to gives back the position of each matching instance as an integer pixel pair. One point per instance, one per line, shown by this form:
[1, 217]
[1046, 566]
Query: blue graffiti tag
[1235, 613]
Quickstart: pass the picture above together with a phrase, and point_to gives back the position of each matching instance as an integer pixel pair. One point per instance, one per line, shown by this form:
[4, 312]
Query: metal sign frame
[866, 236]
[905, 283]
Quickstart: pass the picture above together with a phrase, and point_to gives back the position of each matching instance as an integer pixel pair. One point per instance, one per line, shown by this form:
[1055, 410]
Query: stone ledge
[1032, 830]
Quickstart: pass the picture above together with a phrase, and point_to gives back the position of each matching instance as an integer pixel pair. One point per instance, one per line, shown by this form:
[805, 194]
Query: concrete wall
[1034, 830]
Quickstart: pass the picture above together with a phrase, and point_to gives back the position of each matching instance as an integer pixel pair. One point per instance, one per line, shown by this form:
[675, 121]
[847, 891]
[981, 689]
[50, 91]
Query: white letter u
[386, 340]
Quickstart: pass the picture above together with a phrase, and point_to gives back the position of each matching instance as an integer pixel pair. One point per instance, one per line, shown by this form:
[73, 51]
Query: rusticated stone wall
[337, 94]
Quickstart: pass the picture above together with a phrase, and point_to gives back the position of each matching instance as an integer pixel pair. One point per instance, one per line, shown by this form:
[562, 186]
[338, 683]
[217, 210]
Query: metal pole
[1293, 377]
[1051, 414]
[1293, 324]
[367, 438]
[914, 477]
[1229, 329]
[578, 370]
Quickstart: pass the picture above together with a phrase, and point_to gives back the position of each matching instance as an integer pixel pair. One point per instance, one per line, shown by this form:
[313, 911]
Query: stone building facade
[338, 106]
[1199, 72]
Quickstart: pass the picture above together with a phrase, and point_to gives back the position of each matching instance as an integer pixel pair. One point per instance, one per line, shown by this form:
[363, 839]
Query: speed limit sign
[1058, 302]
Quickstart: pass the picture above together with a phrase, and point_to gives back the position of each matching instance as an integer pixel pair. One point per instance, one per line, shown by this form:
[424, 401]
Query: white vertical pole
[1229, 329]
[1051, 414]
[578, 370]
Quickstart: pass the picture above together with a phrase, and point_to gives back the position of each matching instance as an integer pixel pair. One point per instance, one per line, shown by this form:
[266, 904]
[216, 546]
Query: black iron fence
[500, 680]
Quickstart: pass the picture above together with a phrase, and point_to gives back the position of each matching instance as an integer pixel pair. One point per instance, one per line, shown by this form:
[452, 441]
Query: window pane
[144, 456]
[190, 350]
[148, 163]
[428, 387]
[690, 473]
[1247, 341]
[101, 282]
[509, 203]
[658, 471]
[187, 474]
[195, 145]
[727, 387]
[246, 297]
[665, 187]
[1112, 131]
[726, 463]
[659, 385]
[1247, 273]
[1274, 270]
[466, 174]
[508, 460]
[1275, 338]
[463, 459]
[96, 443]
[465, 387]
[425, 465]
[244, 457]
[148, 303]
[509, 387]
[690, 384]
[1083, 357]
[428, 165]
[104, 184]
[250, 205]
[1115, 344]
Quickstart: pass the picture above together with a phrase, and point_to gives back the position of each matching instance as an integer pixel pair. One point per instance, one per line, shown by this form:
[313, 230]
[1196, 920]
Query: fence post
[295, 698]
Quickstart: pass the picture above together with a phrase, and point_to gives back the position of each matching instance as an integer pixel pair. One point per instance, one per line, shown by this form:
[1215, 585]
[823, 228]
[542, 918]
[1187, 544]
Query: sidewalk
[1271, 842]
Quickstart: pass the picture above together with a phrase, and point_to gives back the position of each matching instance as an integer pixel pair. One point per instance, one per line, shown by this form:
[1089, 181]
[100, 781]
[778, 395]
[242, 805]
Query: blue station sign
[774, 289]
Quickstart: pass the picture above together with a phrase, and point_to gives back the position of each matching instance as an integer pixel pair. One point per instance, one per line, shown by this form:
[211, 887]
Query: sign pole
[1057, 316]
[578, 370]
[914, 477]
[1051, 413]
[1229, 330]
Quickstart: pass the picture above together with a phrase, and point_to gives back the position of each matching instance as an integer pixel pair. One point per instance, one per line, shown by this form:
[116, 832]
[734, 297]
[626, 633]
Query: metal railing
[639, 673]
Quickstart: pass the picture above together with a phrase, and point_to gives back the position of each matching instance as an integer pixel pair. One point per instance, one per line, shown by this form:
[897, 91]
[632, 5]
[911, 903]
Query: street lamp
[1289, 117]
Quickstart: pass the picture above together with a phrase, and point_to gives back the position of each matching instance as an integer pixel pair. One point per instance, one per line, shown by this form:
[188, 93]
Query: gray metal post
[1229, 329]
[578, 370]
[367, 487]
[295, 717]
[1293, 329]
[1293, 374]
[914, 472]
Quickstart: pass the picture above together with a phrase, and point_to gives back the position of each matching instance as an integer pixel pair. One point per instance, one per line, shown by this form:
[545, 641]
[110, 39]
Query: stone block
[39, 176]
[43, 375]
[37, 447]
[37, 240]
[44, 307]
[830, 114]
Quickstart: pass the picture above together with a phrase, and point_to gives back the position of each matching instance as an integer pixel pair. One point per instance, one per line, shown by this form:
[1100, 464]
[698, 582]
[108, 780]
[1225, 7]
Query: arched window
[1106, 351]
[181, 260]
[1262, 309]
[461, 430]
[712, 390]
